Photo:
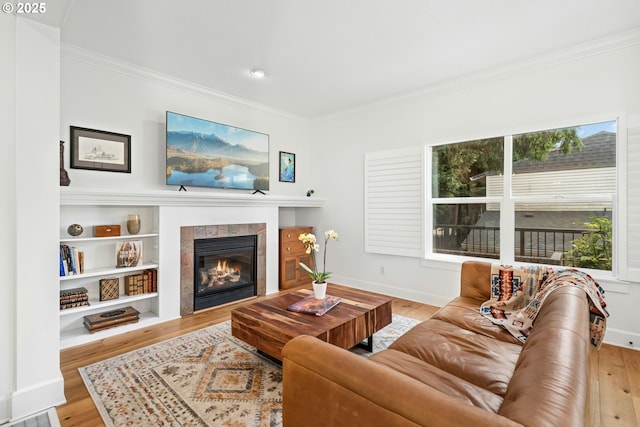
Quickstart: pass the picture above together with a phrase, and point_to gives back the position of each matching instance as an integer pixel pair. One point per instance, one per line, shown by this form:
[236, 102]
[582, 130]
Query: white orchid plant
[310, 242]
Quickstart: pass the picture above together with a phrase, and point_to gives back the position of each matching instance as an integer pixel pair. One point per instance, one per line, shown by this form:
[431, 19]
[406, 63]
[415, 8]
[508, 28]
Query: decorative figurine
[64, 176]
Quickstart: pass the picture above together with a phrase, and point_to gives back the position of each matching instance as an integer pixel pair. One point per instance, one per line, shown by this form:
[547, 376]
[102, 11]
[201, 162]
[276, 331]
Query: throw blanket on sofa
[517, 293]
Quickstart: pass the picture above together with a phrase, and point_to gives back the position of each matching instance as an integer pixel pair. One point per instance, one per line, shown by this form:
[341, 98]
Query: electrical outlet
[382, 270]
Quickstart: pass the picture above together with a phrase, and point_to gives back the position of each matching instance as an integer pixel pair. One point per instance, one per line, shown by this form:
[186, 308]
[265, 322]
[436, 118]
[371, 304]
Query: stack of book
[76, 297]
[71, 260]
[109, 319]
[141, 283]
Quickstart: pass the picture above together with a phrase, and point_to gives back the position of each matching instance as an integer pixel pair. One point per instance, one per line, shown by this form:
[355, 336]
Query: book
[73, 305]
[125, 321]
[81, 258]
[73, 254]
[76, 297]
[71, 260]
[65, 261]
[310, 305]
[111, 317]
[62, 269]
[74, 291]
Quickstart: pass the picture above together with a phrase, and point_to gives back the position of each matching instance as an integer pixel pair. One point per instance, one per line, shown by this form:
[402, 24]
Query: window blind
[394, 200]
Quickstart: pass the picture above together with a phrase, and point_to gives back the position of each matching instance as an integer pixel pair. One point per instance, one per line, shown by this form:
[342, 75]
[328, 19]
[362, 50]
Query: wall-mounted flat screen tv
[201, 153]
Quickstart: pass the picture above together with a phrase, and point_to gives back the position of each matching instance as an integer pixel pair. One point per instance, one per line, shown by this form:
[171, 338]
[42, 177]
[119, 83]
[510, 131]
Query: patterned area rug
[204, 378]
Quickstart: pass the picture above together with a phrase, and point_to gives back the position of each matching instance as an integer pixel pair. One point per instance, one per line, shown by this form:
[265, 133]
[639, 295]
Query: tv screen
[201, 153]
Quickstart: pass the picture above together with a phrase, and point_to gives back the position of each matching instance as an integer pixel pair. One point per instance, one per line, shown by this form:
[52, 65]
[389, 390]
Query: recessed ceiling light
[257, 73]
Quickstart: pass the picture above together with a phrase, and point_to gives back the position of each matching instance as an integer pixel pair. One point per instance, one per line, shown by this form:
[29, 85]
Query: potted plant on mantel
[319, 277]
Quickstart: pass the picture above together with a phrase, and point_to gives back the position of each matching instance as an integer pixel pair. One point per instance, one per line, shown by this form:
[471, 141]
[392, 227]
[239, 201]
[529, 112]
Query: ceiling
[322, 57]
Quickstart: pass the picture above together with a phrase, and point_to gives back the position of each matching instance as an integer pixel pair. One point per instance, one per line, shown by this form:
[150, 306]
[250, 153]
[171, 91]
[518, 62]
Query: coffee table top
[268, 325]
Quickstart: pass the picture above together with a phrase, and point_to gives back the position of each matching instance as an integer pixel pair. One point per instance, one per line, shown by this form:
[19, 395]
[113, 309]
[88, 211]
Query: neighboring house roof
[599, 151]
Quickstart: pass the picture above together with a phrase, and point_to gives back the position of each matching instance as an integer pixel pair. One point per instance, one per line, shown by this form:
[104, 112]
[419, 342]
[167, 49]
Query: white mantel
[223, 198]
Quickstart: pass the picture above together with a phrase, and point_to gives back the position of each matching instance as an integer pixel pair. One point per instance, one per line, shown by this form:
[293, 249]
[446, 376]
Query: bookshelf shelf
[107, 271]
[68, 240]
[95, 304]
[80, 335]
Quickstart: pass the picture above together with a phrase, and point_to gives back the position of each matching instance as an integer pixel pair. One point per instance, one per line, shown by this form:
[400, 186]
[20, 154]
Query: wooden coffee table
[268, 325]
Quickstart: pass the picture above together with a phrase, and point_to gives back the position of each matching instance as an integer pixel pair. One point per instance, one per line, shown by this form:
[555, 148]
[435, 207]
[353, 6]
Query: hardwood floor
[616, 401]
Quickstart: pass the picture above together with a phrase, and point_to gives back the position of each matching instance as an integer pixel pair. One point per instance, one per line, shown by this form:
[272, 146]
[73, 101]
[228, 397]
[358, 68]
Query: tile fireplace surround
[190, 233]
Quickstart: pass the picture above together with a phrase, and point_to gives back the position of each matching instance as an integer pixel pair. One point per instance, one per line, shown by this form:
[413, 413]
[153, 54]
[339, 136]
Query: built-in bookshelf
[99, 262]
[162, 214]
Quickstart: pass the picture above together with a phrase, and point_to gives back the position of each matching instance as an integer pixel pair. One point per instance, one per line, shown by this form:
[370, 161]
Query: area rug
[204, 378]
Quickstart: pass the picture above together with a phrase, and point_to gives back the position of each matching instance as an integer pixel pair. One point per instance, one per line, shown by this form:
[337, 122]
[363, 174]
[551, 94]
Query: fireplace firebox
[224, 270]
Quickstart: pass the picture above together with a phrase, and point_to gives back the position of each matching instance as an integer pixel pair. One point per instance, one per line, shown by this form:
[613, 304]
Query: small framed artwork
[287, 167]
[100, 150]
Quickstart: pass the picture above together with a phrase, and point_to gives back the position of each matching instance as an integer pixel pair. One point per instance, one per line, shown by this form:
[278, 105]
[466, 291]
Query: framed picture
[287, 167]
[99, 150]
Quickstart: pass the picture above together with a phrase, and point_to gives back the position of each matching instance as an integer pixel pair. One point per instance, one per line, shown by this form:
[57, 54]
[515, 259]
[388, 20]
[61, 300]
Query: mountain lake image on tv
[201, 153]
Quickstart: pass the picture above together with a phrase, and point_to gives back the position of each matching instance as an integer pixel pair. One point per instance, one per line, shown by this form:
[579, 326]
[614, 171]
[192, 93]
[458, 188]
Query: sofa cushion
[464, 313]
[438, 379]
[481, 360]
[475, 277]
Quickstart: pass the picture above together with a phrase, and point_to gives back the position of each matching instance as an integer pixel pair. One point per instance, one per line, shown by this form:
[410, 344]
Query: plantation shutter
[394, 200]
[633, 207]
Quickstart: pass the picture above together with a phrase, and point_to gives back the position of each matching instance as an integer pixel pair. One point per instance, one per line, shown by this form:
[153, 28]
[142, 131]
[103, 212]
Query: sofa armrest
[326, 385]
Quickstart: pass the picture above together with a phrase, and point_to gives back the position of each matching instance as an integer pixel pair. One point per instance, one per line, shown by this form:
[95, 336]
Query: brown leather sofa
[455, 369]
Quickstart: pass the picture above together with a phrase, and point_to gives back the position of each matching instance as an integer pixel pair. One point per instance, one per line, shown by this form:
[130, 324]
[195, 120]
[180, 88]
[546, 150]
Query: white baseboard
[423, 297]
[5, 409]
[37, 398]
[621, 338]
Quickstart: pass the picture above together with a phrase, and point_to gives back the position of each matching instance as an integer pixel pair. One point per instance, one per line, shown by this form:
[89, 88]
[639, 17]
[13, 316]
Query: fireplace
[225, 270]
[188, 236]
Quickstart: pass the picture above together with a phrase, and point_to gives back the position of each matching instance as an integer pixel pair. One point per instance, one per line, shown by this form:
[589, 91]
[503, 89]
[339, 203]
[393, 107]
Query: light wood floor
[618, 382]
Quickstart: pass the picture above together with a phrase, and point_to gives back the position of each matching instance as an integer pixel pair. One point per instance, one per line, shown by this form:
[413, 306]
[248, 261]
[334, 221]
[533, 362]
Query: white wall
[7, 213]
[30, 371]
[580, 87]
[104, 94]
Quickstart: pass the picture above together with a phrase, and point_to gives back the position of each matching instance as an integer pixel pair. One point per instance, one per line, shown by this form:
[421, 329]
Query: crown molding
[551, 59]
[577, 52]
[85, 56]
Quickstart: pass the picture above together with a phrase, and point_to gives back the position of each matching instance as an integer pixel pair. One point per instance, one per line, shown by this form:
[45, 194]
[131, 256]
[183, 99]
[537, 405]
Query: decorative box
[109, 289]
[107, 230]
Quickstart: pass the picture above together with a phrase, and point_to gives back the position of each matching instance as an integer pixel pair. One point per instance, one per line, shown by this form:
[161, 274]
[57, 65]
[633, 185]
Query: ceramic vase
[133, 224]
[75, 230]
[319, 290]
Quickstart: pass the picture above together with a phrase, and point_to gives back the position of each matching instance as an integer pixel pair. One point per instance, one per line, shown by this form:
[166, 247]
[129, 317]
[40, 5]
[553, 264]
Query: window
[542, 197]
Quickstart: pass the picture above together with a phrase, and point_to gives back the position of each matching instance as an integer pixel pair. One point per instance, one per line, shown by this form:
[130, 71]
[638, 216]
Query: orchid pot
[319, 277]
